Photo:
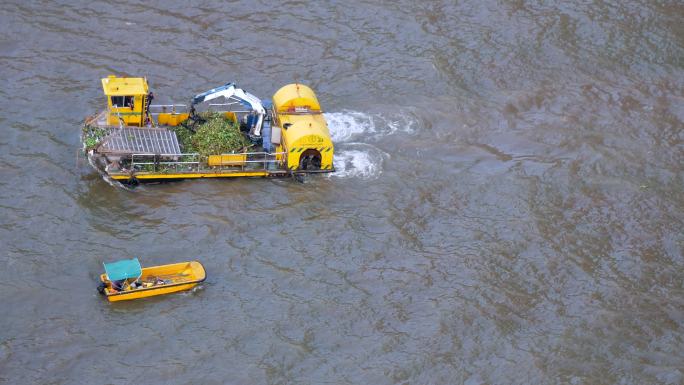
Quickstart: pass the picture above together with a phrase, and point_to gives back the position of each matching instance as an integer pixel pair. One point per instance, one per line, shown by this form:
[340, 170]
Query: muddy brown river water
[508, 206]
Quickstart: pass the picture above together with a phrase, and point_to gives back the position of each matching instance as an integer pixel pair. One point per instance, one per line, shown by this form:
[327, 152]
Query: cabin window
[122, 101]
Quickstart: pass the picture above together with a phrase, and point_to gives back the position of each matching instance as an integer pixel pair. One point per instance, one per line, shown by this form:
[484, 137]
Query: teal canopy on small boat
[124, 269]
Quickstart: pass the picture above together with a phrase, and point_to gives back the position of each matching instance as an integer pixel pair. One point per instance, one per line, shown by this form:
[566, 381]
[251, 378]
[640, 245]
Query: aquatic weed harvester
[135, 141]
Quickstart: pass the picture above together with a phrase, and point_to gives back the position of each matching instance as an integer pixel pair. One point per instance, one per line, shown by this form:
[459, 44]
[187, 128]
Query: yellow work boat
[134, 141]
[126, 279]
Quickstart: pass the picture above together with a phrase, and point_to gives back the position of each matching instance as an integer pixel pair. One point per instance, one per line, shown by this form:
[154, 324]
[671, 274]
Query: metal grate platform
[141, 141]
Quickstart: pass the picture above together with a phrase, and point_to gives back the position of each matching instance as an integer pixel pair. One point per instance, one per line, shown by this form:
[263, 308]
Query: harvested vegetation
[92, 135]
[211, 134]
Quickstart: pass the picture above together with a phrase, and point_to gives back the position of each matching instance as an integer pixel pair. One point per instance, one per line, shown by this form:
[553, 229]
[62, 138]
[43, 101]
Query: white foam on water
[358, 161]
[404, 122]
[347, 125]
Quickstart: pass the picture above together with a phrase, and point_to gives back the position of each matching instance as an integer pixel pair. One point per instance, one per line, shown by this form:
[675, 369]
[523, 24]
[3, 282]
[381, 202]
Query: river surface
[508, 206]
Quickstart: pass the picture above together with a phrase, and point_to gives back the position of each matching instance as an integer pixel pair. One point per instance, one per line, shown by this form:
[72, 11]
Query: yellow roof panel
[293, 96]
[114, 86]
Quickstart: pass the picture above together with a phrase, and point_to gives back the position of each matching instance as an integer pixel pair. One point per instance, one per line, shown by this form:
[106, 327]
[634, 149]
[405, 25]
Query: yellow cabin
[126, 100]
[304, 132]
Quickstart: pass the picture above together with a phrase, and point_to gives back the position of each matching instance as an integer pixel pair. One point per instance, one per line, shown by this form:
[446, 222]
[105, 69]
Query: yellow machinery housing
[126, 100]
[304, 132]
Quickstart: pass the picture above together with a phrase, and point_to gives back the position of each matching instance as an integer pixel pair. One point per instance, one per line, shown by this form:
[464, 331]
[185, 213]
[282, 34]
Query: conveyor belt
[140, 141]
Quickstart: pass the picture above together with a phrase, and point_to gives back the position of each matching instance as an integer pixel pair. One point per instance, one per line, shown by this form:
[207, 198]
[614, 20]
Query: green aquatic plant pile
[92, 135]
[211, 134]
[184, 135]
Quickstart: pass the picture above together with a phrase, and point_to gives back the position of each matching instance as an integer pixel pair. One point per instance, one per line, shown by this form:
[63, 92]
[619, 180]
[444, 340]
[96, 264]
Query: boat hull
[158, 177]
[132, 178]
[177, 277]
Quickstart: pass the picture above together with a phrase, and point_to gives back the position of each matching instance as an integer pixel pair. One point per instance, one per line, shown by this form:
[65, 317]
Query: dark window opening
[122, 101]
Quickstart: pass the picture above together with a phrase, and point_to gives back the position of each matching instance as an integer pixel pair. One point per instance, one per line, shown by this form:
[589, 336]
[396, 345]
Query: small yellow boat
[126, 279]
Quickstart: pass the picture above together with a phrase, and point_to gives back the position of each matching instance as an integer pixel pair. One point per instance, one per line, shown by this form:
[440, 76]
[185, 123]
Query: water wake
[357, 159]
[347, 125]
[343, 126]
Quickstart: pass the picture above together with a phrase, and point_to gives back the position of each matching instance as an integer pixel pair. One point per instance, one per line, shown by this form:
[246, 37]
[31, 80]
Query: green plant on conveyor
[184, 135]
[92, 135]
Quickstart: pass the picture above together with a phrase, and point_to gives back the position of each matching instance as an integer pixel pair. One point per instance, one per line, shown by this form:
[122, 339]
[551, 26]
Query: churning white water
[350, 125]
[360, 159]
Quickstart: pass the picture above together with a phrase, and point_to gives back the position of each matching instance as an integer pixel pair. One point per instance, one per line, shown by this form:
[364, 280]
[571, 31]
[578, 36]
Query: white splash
[403, 122]
[363, 160]
[343, 126]
[359, 160]
[347, 125]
